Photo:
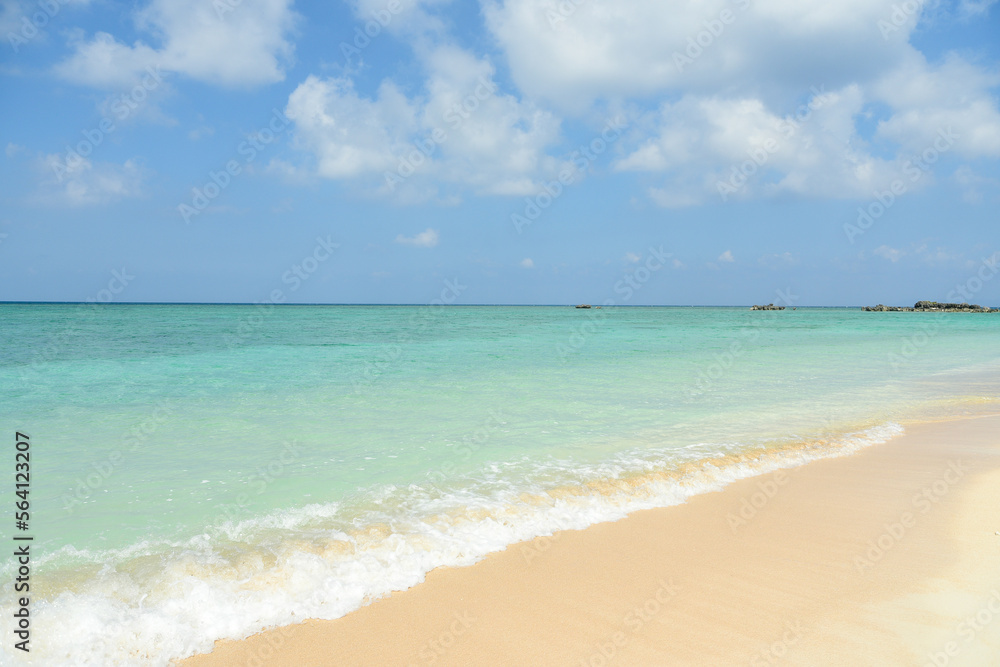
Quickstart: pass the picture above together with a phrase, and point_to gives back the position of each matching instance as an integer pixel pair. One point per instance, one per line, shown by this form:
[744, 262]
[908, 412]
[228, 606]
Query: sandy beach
[885, 557]
[514, 332]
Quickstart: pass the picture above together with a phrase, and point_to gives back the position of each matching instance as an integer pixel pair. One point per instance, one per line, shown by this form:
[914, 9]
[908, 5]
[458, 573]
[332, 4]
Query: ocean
[201, 472]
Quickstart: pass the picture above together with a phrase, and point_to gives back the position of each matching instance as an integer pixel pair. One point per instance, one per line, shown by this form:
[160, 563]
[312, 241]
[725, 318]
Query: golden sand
[887, 557]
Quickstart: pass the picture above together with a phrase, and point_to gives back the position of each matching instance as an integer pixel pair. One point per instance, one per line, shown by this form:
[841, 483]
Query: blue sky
[528, 151]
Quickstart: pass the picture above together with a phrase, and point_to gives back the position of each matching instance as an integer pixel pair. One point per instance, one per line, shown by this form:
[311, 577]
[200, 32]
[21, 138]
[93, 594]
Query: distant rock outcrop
[584, 305]
[769, 306]
[931, 307]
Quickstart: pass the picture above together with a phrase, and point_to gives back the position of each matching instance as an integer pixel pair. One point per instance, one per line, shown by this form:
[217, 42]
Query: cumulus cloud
[425, 239]
[713, 89]
[726, 257]
[738, 148]
[230, 43]
[527, 263]
[952, 98]
[462, 130]
[350, 135]
[732, 74]
[646, 47]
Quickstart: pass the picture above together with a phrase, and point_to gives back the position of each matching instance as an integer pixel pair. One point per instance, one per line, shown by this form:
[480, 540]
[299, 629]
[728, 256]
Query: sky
[628, 152]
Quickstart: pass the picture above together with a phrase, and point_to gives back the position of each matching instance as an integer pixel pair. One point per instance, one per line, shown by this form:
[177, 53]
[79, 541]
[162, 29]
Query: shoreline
[879, 554]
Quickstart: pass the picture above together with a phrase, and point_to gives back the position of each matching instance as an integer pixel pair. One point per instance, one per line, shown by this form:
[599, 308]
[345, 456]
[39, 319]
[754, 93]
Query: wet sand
[886, 557]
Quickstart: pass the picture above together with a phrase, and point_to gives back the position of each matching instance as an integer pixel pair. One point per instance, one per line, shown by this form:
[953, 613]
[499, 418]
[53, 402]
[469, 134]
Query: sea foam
[158, 601]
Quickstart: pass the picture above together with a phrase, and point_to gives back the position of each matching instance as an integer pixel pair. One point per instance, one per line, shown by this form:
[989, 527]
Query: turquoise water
[202, 472]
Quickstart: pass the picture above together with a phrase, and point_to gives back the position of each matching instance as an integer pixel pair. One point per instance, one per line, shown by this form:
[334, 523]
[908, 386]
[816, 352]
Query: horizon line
[419, 304]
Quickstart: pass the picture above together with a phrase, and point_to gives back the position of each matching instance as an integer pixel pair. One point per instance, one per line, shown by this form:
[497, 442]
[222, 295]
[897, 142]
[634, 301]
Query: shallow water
[201, 472]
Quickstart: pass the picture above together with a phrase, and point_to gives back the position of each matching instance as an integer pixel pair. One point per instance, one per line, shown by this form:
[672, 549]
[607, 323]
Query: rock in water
[931, 306]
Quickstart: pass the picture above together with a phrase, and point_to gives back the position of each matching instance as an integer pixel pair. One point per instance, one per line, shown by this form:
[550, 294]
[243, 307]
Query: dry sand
[886, 557]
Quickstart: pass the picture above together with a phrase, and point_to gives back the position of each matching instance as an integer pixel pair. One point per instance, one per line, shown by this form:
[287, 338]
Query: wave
[158, 601]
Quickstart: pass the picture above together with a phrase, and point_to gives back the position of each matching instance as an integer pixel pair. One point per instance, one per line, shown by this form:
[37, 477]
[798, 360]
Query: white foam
[157, 602]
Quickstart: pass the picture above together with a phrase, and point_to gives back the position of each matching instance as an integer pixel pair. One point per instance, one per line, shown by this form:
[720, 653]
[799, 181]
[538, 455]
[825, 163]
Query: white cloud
[951, 99]
[527, 263]
[726, 257]
[350, 135]
[631, 257]
[678, 264]
[105, 63]
[461, 131]
[425, 239]
[710, 147]
[732, 80]
[725, 76]
[891, 254]
[13, 149]
[226, 42]
[80, 182]
[631, 47]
